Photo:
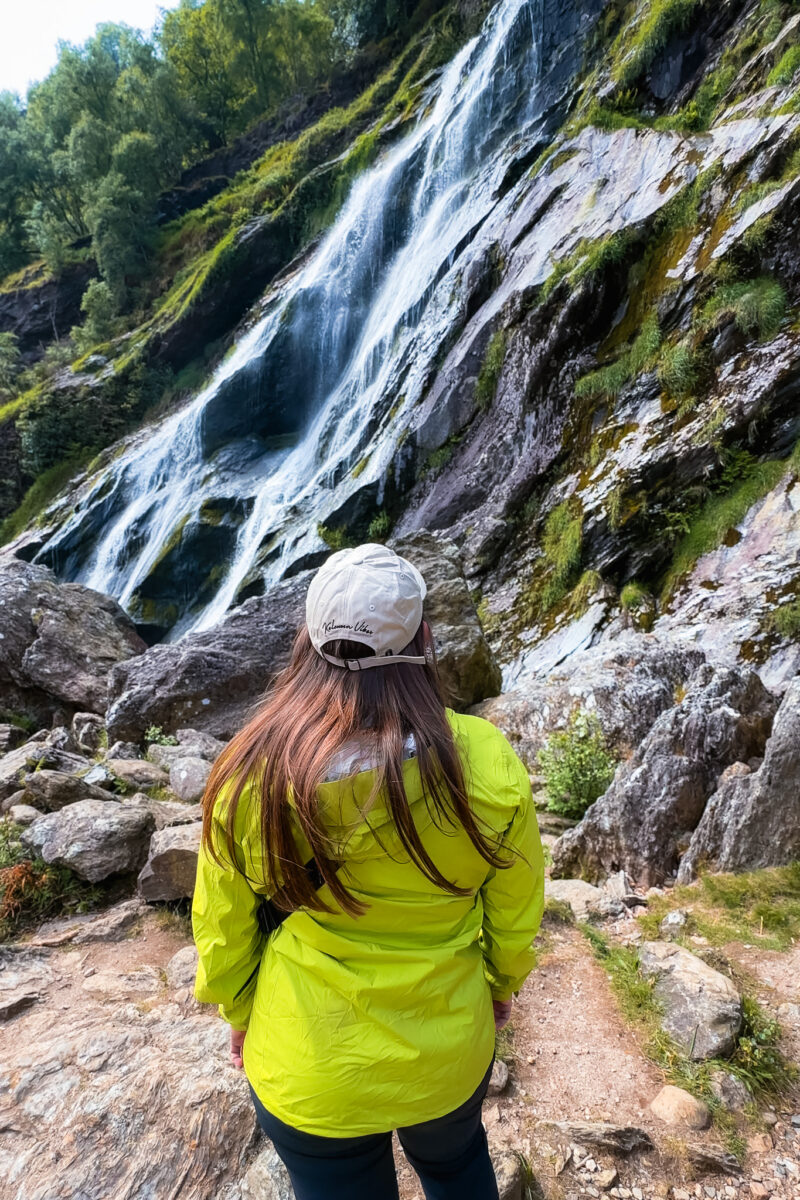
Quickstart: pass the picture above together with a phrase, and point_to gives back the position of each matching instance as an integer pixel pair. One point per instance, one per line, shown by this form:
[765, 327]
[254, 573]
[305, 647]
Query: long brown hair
[311, 711]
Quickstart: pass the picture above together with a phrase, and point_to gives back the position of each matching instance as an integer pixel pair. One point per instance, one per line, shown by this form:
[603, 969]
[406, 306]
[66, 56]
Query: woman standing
[398, 839]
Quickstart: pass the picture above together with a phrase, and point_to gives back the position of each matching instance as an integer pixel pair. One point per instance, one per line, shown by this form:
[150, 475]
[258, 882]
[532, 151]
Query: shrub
[491, 367]
[334, 539]
[155, 734]
[634, 596]
[641, 356]
[661, 19]
[577, 765]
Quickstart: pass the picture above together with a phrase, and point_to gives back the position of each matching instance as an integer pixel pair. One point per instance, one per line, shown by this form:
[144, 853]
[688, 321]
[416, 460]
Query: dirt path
[104, 1006]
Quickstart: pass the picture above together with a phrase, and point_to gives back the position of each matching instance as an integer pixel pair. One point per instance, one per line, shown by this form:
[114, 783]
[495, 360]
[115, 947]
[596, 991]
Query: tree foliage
[84, 157]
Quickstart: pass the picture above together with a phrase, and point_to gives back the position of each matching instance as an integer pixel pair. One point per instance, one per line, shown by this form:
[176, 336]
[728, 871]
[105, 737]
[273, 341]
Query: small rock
[12, 1003]
[266, 1178]
[94, 838]
[674, 1106]
[702, 1009]
[109, 925]
[583, 898]
[730, 1091]
[11, 736]
[499, 1080]
[137, 772]
[606, 1179]
[638, 1194]
[758, 1189]
[769, 1118]
[188, 777]
[674, 922]
[796, 1121]
[124, 750]
[182, 968]
[171, 867]
[508, 1172]
[87, 731]
[52, 790]
[23, 814]
[759, 1143]
[601, 1135]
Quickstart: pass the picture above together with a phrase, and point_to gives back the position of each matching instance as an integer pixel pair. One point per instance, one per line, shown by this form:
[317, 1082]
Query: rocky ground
[116, 1081]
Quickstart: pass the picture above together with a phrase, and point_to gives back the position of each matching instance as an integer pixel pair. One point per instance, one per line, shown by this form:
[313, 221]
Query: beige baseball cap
[368, 594]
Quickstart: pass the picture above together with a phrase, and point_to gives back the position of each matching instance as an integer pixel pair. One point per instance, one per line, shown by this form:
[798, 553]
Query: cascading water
[309, 407]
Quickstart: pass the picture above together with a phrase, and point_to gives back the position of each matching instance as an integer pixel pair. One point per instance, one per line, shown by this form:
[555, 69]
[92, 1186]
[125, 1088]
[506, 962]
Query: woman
[401, 840]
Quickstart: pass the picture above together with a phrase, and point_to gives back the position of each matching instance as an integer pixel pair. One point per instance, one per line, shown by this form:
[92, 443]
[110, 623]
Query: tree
[118, 216]
[10, 364]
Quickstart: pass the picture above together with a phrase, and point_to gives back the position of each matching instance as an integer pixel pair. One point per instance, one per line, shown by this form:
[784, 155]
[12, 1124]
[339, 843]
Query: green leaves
[577, 765]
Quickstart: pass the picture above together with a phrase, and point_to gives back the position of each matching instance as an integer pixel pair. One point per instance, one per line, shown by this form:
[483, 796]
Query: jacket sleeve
[227, 934]
[513, 897]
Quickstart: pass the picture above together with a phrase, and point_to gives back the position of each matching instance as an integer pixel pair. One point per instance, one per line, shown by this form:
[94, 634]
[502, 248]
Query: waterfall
[309, 406]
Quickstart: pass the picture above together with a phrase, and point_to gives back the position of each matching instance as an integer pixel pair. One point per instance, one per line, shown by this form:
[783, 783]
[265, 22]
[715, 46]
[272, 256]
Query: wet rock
[137, 772]
[626, 684]
[209, 679]
[88, 730]
[171, 867]
[59, 641]
[658, 796]
[94, 838]
[674, 1106]
[467, 667]
[188, 776]
[52, 790]
[753, 818]
[702, 1009]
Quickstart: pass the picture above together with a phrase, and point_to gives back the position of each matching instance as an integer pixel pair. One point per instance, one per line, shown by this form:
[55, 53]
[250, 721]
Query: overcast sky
[30, 29]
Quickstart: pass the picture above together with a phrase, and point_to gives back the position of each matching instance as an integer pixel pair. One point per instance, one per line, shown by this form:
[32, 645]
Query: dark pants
[449, 1154]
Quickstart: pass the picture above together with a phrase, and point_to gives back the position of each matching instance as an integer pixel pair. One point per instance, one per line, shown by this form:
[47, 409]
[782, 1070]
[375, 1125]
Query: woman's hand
[237, 1042]
[502, 1012]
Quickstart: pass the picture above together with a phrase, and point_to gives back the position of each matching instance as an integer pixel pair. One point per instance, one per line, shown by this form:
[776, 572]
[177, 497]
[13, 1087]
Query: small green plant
[677, 369]
[334, 539]
[577, 765]
[758, 307]
[641, 356]
[634, 596]
[785, 620]
[757, 1060]
[588, 584]
[633, 53]
[155, 733]
[491, 367]
[785, 69]
[379, 527]
[562, 540]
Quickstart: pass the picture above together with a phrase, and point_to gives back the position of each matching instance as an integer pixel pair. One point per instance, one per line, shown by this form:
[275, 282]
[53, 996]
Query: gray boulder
[702, 1009]
[137, 772]
[94, 838]
[627, 684]
[182, 968]
[171, 867]
[210, 679]
[753, 818]
[467, 667]
[52, 790]
[124, 750]
[23, 814]
[644, 820]
[187, 777]
[191, 743]
[60, 640]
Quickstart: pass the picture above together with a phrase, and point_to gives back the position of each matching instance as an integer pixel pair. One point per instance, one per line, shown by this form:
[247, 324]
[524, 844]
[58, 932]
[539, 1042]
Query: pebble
[796, 1120]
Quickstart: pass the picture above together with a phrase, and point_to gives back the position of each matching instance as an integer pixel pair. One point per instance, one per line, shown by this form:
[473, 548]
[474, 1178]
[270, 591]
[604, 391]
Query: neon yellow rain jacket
[359, 1025]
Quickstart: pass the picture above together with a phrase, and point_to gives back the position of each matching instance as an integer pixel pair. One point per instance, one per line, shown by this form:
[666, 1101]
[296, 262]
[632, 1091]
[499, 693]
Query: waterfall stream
[311, 403]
